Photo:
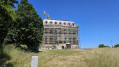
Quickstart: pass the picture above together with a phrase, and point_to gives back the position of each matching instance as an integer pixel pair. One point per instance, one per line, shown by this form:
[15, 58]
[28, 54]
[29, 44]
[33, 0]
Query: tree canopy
[102, 45]
[7, 15]
[117, 45]
[21, 26]
[29, 25]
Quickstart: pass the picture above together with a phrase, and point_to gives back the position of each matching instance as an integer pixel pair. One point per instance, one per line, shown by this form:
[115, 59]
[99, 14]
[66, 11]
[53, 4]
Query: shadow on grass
[3, 60]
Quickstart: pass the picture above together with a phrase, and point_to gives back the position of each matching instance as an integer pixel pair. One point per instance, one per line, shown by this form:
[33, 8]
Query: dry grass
[104, 57]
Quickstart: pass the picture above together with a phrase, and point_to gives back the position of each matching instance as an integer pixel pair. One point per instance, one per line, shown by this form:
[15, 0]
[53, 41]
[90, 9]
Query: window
[51, 30]
[46, 22]
[73, 31]
[59, 31]
[50, 22]
[60, 42]
[65, 31]
[73, 24]
[60, 23]
[46, 30]
[51, 40]
[68, 23]
[55, 31]
[45, 40]
[74, 40]
[64, 23]
[69, 40]
[55, 22]
[55, 40]
[69, 31]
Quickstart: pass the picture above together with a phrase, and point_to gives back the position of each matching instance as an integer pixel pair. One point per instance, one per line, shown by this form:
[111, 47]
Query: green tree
[117, 45]
[7, 15]
[101, 45]
[29, 26]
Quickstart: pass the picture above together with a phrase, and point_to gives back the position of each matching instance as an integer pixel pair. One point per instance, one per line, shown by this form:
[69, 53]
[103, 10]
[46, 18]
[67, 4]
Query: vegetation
[21, 26]
[103, 57]
[102, 45]
[117, 45]
[7, 16]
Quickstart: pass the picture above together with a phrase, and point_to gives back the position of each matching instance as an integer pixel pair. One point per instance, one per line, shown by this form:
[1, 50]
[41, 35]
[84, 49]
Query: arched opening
[50, 22]
[46, 22]
[64, 23]
[73, 24]
[60, 23]
[68, 23]
[55, 22]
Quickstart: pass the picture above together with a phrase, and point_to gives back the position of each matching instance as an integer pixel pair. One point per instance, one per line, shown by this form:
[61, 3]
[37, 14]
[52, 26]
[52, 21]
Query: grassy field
[103, 57]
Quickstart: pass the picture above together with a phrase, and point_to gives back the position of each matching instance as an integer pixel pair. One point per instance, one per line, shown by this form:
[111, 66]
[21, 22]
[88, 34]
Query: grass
[99, 57]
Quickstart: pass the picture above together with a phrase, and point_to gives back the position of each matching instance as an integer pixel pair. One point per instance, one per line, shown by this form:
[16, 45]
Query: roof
[58, 22]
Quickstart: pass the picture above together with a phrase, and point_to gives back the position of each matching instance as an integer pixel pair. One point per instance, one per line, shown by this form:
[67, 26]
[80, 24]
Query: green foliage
[29, 26]
[21, 26]
[117, 45]
[7, 15]
[102, 45]
[24, 47]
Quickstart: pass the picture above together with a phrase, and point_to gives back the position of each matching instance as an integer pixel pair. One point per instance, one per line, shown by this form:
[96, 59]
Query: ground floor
[59, 46]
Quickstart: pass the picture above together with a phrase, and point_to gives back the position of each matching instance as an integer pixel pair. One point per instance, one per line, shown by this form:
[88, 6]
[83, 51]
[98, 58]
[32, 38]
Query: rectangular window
[51, 30]
[46, 40]
[65, 31]
[46, 30]
[74, 40]
[51, 40]
[55, 31]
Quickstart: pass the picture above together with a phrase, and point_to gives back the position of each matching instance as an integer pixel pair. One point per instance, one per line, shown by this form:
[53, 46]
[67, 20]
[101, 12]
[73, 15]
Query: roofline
[58, 20]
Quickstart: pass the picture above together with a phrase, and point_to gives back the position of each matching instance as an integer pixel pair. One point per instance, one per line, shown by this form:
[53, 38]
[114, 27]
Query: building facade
[59, 34]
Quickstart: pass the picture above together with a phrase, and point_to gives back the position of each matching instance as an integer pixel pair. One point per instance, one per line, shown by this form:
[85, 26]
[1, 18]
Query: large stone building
[59, 34]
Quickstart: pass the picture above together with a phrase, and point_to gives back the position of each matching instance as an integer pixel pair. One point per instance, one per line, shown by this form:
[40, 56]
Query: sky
[98, 19]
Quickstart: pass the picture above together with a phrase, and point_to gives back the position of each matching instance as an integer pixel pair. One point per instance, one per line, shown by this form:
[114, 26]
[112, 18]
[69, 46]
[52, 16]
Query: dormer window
[64, 23]
[60, 23]
[55, 22]
[68, 23]
[50, 22]
[73, 24]
[46, 22]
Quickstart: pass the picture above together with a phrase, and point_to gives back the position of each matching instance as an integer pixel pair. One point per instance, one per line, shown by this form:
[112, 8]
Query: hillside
[103, 57]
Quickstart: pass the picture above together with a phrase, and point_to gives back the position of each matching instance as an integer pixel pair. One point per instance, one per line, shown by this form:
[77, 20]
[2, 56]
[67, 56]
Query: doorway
[62, 47]
[68, 46]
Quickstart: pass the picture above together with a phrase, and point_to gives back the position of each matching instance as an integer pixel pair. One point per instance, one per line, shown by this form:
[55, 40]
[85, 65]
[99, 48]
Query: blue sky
[98, 19]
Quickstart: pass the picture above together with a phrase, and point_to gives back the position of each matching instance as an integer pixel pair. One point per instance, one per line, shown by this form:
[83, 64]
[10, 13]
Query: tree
[29, 26]
[117, 45]
[102, 45]
[7, 15]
